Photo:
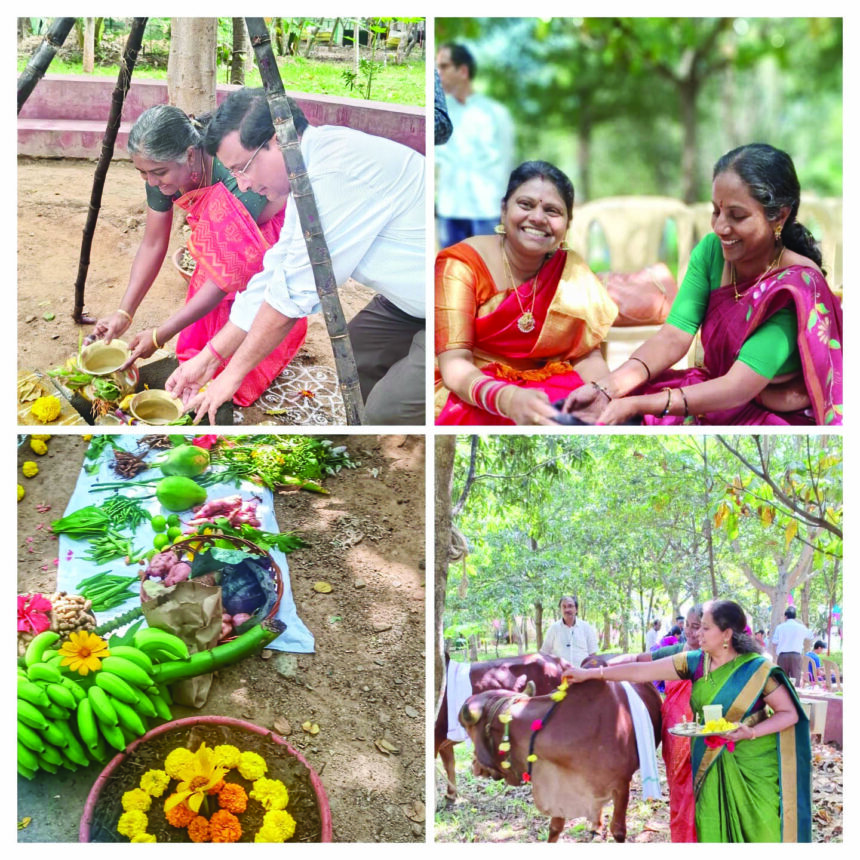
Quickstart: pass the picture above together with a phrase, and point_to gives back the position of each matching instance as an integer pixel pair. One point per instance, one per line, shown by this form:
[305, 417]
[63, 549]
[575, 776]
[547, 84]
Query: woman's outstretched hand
[530, 406]
[108, 328]
[141, 346]
[575, 675]
[586, 403]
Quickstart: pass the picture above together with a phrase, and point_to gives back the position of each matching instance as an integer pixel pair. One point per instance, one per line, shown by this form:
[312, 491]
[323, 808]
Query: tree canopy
[642, 527]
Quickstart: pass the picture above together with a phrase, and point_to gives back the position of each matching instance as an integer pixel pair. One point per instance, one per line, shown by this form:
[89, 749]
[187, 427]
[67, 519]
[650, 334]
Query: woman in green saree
[753, 784]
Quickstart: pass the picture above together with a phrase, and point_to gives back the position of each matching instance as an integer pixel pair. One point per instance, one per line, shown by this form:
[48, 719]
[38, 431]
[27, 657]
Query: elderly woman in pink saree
[771, 328]
[230, 232]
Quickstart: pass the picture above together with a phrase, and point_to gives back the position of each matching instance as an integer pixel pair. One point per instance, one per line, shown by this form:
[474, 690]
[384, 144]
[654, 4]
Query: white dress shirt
[573, 644]
[369, 193]
[789, 636]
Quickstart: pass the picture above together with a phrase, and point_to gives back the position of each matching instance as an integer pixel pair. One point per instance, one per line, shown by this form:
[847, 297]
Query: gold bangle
[126, 314]
[601, 674]
[154, 341]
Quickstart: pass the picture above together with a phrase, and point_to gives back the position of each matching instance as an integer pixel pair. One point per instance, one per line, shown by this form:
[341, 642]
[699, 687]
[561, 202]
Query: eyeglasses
[244, 170]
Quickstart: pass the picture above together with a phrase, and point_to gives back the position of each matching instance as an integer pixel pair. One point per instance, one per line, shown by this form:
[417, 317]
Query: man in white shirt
[473, 167]
[369, 193]
[652, 637]
[571, 638]
[787, 641]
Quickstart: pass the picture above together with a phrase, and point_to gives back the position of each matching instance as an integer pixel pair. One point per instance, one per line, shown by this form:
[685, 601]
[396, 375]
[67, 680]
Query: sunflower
[198, 777]
[83, 652]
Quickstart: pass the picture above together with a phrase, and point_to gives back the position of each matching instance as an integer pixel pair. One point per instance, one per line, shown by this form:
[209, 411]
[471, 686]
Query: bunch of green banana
[70, 722]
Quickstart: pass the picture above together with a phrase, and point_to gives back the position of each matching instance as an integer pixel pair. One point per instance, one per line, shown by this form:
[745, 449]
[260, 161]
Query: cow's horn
[529, 689]
[470, 714]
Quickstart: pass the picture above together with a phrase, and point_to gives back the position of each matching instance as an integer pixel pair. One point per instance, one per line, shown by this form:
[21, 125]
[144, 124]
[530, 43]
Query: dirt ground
[364, 683]
[53, 201]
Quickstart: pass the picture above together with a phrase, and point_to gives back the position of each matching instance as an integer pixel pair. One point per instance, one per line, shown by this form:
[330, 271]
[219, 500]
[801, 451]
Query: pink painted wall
[65, 116]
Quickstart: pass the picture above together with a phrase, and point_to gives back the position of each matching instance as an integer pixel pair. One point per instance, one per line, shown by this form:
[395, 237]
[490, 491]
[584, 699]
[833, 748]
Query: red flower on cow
[537, 725]
[32, 613]
[527, 777]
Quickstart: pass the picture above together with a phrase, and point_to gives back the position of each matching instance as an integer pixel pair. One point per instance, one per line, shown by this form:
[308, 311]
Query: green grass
[393, 84]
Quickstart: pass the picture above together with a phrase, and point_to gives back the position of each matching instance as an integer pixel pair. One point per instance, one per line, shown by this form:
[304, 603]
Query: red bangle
[215, 352]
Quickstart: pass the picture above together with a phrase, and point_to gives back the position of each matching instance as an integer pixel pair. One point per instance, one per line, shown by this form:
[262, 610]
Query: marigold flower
[45, 409]
[42, 437]
[271, 793]
[226, 755]
[277, 822]
[532, 758]
[179, 815]
[83, 652]
[37, 446]
[155, 782]
[132, 823]
[29, 469]
[233, 798]
[252, 766]
[137, 798]
[504, 747]
[504, 718]
[505, 764]
[143, 837]
[177, 761]
[224, 827]
[21, 492]
[558, 696]
[198, 829]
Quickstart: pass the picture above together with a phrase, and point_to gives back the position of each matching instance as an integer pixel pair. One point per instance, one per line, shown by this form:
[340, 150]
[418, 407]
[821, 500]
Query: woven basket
[176, 258]
[193, 544]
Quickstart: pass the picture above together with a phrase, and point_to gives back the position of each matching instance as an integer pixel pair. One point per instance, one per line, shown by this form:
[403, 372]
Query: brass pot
[104, 361]
[155, 407]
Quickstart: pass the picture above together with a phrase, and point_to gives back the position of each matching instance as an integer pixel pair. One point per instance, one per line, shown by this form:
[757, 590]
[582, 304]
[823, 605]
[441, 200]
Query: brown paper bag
[191, 611]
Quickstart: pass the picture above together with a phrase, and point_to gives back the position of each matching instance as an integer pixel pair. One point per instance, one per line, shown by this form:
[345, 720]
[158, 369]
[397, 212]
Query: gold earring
[777, 233]
[500, 229]
[725, 645]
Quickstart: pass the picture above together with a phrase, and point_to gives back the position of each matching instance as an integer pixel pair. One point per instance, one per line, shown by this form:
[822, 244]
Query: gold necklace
[774, 264]
[526, 320]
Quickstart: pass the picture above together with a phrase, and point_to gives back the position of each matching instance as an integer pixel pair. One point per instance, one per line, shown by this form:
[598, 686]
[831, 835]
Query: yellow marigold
[21, 492]
[224, 827]
[45, 409]
[44, 437]
[233, 798]
[278, 826]
[198, 829]
[30, 469]
[251, 765]
[132, 823]
[177, 762]
[137, 798]
[155, 782]
[226, 756]
[180, 815]
[271, 793]
[87, 437]
[143, 837]
[37, 446]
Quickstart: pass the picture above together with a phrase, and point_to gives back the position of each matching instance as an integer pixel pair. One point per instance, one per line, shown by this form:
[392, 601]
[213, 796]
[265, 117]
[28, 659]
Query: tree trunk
[239, 55]
[191, 66]
[688, 92]
[538, 622]
[583, 158]
[303, 198]
[89, 47]
[41, 59]
[280, 41]
[473, 651]
[444, 476]
[129, 58]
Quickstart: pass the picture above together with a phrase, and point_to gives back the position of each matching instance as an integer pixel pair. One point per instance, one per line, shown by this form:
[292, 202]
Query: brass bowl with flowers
[103, 361]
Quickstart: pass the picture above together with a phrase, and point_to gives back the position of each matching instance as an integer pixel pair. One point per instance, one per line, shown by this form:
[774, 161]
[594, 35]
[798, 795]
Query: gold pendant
[526, 322]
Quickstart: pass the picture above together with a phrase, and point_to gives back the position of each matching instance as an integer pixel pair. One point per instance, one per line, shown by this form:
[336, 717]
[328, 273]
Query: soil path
[366, 680]
[53, 200]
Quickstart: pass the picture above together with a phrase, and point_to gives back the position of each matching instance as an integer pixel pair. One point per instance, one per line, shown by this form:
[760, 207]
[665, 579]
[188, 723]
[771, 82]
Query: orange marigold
[199, 830]
[224, 827]
[180, 815]
[233, 798]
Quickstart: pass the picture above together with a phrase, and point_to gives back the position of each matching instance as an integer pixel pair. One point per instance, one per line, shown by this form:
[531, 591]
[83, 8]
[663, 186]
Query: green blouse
[253, 202]
[770, 350]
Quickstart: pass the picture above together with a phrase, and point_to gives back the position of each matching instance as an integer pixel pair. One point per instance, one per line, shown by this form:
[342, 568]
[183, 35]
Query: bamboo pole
[303, 196]
[41, 59]
[129, 58]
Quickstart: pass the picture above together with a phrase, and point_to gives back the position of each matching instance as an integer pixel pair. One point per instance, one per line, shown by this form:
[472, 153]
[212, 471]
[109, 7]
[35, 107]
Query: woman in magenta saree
[771, 328]
[519, 321]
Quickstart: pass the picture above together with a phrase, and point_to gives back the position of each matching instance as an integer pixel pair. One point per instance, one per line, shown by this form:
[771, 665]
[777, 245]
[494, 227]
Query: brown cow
[505, 673]
[586, 751]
